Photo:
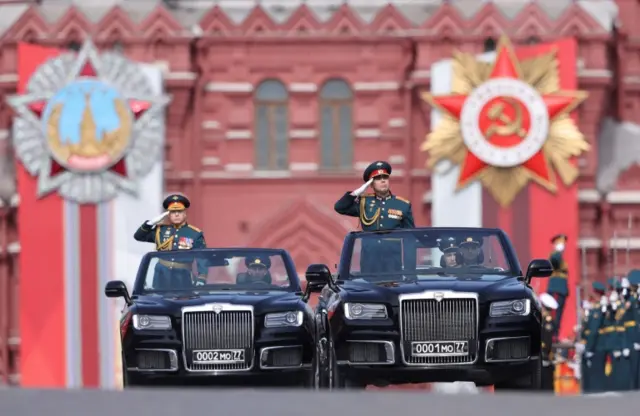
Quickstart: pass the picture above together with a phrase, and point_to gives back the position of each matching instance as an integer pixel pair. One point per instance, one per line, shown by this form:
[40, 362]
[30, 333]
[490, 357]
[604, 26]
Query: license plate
[439, 348]
[217, 356]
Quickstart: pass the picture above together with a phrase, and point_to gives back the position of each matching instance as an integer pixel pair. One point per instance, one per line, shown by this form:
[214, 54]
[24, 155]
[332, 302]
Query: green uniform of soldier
[379, 211]
[628, 328]
[176, 235]
[548, 368]
[588, 338]
[620, 374]
[558, 287]
[598, 361]
[634, 334]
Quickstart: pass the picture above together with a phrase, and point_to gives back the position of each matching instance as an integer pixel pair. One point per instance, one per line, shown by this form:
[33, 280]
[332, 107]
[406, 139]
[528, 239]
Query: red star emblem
[495, 116]
[88, 70]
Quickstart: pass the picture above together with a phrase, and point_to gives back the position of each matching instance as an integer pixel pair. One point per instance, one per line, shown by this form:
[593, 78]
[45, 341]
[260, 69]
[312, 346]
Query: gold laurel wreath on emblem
[564, 140]
[112, 143]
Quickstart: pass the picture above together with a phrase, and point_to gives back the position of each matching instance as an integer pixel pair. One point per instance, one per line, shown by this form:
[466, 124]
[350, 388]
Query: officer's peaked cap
[448, 244]
[614, 283]
[558, 238]
[252, 261]
[470, 240]
[378, 167]
[176, 202]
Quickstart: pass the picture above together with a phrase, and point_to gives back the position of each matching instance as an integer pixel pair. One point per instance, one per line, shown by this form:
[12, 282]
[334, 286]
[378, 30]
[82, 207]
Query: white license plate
[439, 348]
[217, 356]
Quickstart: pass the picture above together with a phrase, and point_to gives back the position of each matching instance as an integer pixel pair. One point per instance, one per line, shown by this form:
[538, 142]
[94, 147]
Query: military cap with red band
[176, 202]
[376, 169]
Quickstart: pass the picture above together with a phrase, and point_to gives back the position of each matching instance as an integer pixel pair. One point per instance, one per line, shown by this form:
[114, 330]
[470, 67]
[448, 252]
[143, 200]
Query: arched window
[272, 126]
[336, 125]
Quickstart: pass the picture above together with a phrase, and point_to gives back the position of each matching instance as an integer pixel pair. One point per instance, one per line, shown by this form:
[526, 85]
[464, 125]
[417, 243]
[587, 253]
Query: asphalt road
[227, 402]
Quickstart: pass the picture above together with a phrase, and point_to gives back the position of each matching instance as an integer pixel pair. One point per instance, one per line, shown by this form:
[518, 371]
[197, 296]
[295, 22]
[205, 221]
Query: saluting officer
[176, 235]
[380, 211]
[548, 368]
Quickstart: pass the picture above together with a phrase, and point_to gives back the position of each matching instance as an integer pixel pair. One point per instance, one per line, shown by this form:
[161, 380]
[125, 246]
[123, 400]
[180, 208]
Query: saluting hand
[363, 188]
[157, 219]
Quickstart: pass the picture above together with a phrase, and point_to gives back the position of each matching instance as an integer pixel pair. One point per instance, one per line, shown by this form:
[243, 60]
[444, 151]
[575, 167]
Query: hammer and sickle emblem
[507, 126]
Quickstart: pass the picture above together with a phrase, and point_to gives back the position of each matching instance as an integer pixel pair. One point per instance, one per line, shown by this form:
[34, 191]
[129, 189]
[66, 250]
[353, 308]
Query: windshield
[429, 255]
[195, 270]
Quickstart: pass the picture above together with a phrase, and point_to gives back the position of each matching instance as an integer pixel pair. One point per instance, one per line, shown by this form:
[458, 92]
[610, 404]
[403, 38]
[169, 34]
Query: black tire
[530, 382]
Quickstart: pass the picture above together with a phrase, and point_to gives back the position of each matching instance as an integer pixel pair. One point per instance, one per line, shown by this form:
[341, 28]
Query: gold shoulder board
[402, 199]
[194, 228]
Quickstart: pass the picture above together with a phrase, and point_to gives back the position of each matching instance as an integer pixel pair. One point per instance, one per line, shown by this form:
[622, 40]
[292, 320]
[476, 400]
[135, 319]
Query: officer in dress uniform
[176, 235]
[558, 287]
[379, 211]
[257, 270]
[548, 369]
[451, 256]
[471, 250]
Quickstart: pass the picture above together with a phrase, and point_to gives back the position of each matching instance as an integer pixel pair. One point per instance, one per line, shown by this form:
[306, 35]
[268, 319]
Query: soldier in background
[558, 287]
[548, 369]
[633, 329]
[620, 374]
[597, 358]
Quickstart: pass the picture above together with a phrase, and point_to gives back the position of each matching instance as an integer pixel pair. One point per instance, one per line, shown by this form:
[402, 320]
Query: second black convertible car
[248, 322]
[429, 305]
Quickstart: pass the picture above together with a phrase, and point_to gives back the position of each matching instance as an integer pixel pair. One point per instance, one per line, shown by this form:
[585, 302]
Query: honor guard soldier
[588, 335]
[548, 368]
[176, 235]
[379, 211]
[634, 282]
[558, 287]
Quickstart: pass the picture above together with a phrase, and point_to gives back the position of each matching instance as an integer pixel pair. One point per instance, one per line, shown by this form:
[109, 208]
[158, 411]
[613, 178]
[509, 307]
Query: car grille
[450, 319]
[225, 330]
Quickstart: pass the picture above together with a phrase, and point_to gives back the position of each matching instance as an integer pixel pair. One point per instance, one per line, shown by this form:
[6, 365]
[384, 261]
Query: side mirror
[538, 268]
[117, 289]
[318, 276]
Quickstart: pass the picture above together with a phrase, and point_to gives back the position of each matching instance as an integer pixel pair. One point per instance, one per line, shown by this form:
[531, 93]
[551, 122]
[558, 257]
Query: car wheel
[532, 381]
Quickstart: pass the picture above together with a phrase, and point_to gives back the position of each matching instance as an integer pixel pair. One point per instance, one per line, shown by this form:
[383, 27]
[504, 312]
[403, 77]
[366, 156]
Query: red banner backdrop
[58, 309]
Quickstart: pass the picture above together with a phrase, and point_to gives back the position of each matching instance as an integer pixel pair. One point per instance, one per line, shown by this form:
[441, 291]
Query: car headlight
[365, 311]
[152, 322]
[283, 319]
[518, 307]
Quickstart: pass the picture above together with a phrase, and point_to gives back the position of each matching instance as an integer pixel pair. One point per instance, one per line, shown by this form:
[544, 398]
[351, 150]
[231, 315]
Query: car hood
[488, 289]
[262, 301]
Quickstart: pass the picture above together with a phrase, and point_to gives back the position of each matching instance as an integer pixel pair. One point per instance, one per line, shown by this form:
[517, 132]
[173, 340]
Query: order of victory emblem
[89, 125]
[506, 122]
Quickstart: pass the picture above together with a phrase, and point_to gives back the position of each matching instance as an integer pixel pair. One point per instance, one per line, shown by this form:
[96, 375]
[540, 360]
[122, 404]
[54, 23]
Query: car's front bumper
[504, 349]
[280, 356]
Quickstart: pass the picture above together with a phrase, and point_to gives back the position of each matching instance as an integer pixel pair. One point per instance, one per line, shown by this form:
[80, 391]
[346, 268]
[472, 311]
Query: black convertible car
[245, 320]
[429, 305]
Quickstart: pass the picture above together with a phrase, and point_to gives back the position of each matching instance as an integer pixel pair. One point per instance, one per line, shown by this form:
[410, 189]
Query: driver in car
[471, 251]
[257, 270]
[451, 253]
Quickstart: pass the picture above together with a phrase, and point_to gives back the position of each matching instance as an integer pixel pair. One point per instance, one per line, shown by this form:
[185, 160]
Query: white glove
[636, 346]
[158, 218]
[589, 354]
[626, 352]
[363, 188]
[200, 282]
[617, 354]
[580, 348]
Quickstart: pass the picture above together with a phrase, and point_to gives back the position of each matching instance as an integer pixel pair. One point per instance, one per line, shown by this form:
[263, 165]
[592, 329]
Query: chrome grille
[450, 319]
[223, 330]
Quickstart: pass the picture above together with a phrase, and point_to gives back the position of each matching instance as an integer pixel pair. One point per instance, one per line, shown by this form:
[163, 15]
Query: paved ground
[160, 402]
